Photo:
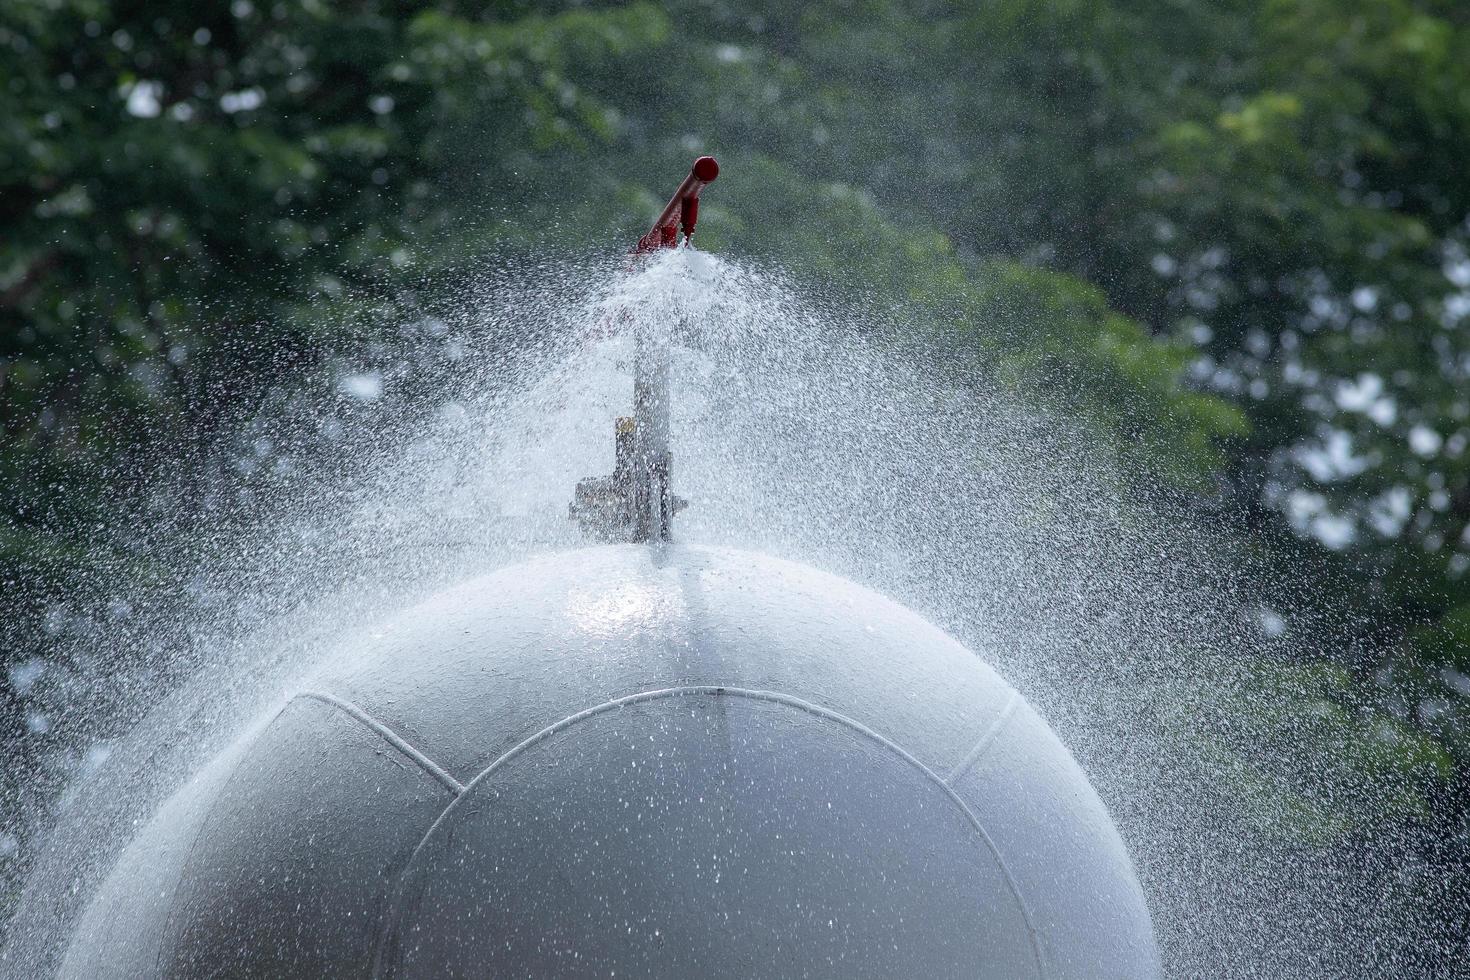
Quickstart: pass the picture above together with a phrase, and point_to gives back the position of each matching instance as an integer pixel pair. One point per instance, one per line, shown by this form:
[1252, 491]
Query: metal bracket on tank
[636, 503]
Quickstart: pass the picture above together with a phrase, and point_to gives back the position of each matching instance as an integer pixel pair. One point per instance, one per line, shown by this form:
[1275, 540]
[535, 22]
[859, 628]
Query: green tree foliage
[179, 179]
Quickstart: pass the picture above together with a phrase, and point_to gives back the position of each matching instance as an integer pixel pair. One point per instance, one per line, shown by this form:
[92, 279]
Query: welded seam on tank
[391, 921]
[987, 740]
[390, 736]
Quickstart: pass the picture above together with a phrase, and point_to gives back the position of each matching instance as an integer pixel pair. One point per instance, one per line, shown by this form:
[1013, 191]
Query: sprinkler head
[682, 211]
[706, 169]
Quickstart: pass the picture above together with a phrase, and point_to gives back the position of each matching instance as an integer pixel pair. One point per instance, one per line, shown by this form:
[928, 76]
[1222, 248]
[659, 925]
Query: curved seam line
[390, 923]
[974, 756]
[390, 736]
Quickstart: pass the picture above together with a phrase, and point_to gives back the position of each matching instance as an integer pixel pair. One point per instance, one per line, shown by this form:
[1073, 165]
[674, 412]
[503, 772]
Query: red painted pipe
[682, 211]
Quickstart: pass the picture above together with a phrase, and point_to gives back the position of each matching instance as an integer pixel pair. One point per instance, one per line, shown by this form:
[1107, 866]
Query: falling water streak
[816, 432]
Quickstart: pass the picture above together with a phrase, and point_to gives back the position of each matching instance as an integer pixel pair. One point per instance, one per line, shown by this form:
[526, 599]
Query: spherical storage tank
[635, 762]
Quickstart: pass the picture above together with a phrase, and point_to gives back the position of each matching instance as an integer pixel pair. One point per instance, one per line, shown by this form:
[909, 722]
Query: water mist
[805, 428]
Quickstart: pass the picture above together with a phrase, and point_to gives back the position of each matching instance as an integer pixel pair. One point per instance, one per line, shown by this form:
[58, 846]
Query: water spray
[636, 503]
[684, 760]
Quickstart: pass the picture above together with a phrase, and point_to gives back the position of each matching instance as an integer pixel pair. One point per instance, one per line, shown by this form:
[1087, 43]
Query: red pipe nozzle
[705, 169]
[682, 211]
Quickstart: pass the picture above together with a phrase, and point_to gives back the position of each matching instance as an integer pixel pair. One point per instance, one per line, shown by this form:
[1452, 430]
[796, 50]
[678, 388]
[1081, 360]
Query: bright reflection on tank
[635, 761]
[598, 612]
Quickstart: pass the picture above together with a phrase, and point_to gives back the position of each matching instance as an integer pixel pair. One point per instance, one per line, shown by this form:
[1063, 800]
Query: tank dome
[623, 761]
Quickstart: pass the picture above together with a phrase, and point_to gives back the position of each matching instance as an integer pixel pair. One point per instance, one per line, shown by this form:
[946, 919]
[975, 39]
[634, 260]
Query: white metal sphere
[635, 762]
